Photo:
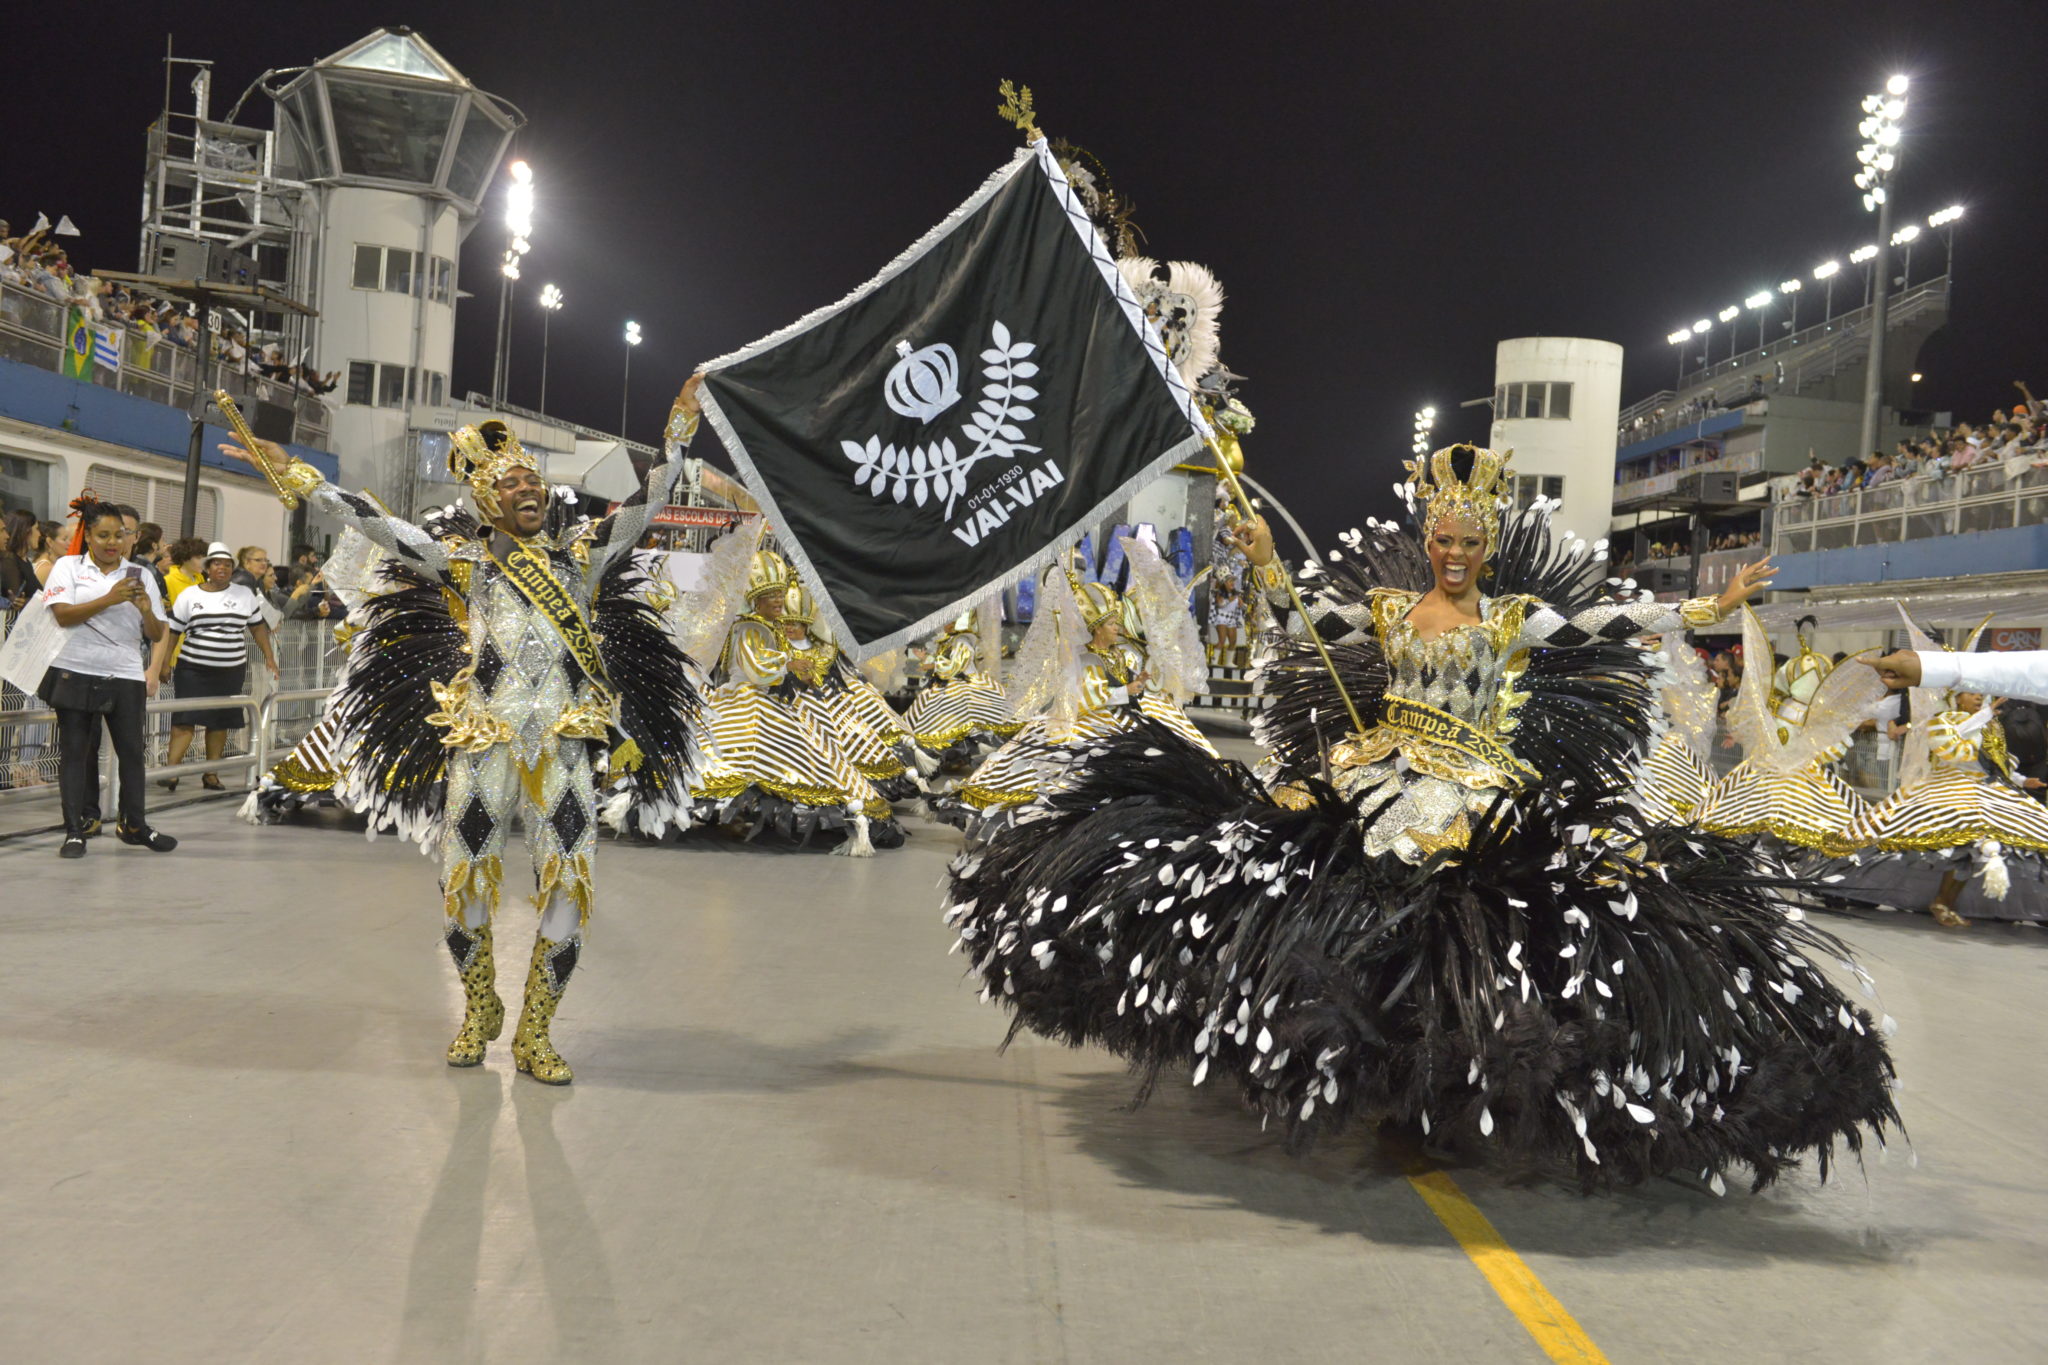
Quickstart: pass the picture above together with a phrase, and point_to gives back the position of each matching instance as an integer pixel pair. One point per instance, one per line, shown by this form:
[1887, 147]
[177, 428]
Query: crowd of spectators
[1682, 549]
[29, 547]
[36, 262]
[2016, 439]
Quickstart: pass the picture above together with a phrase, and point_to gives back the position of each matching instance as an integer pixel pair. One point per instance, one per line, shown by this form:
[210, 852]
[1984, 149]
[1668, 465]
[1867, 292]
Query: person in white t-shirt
[107, 606]
[214, 618]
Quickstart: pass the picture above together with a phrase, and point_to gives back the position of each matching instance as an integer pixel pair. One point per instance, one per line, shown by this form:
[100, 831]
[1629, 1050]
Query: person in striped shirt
[214, 620]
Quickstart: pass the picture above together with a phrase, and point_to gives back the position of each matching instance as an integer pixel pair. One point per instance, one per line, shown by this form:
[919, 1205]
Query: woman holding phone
[106, 606]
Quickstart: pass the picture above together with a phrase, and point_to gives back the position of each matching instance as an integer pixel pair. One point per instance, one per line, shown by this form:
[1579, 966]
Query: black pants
[78, 746]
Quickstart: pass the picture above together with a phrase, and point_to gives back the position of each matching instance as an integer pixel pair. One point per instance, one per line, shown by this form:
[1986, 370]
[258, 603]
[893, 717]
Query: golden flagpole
[1018, 110]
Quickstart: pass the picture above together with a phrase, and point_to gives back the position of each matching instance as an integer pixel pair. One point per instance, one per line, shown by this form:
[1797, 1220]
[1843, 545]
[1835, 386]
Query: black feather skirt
[1571, 990]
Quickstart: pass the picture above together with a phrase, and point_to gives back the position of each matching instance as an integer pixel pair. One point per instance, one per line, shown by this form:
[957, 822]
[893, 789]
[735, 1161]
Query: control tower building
[392, 150]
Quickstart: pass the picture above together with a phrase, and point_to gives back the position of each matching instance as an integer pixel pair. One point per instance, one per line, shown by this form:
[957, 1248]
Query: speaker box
[181, 258]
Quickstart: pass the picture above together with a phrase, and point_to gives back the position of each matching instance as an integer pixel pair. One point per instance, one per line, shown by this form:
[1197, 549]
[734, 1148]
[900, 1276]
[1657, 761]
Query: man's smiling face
[522, 502]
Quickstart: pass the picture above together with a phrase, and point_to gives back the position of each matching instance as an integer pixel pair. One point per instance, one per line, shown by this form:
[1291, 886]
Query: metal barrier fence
[308, 661]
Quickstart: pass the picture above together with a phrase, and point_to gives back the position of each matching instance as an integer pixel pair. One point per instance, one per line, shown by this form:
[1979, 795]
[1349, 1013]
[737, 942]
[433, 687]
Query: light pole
[626, 385]
[1905, 237]
[1879, 158]
[1680, 339]
[1425, 422]
[1699, 331]
[518, 228]
[1759, 303]
[1790, 289]
[1863, 255]
[1944, 223]
[1827, 270]
[550, 304]
[1729, 314]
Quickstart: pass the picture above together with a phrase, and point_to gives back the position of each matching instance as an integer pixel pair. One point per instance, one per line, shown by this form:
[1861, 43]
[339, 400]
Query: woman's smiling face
[1457, 549]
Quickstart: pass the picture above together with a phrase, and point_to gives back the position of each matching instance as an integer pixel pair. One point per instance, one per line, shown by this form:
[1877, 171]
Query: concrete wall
[1580, 449]
[410, 331]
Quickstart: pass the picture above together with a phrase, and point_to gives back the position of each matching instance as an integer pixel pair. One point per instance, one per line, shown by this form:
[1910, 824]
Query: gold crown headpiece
[767, 572]
[1475, 498]
[481, 455]
[797, 605]
[1099, 603]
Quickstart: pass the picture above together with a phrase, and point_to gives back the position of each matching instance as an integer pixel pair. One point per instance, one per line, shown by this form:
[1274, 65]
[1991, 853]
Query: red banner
[700, 516]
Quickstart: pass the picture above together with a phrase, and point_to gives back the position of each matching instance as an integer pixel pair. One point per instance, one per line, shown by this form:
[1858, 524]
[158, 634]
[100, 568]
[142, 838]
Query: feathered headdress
[1184, 301]
[1474, 496]
[481, 455]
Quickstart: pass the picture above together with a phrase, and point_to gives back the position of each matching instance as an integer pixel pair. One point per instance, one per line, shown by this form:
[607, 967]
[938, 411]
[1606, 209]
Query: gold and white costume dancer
[769, 765]
[1077, 673]
[965, 708]
[842, 706]
[1957, 798]
[1791, 732]
[1676, 777]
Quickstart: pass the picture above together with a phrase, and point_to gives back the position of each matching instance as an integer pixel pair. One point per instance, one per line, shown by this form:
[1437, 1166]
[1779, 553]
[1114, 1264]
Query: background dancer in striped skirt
[964, 712]
[769, 767]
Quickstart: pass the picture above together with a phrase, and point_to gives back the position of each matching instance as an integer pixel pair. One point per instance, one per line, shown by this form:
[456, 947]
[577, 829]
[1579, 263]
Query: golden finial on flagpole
[1016, 109]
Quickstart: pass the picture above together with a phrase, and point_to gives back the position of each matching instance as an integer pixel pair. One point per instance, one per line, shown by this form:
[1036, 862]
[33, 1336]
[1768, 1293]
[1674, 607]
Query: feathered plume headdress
[1184, 301]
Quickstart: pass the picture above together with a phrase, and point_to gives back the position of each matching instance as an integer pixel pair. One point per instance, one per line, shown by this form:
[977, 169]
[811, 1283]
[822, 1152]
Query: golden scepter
[226, 403]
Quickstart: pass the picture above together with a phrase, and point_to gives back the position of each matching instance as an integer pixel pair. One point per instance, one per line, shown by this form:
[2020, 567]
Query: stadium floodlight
[1730, 313]
[1862, 254]
[1946, 216]
[1827, 270]
[1879, 161]
[550, 304]
[1905, 234]
[626, 382]
[1702, 325]
[1791, 286]
[1679, 337]
[1761, 299]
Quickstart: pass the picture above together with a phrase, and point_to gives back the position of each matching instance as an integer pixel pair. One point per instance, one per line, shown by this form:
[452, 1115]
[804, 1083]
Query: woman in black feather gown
[1451, 916]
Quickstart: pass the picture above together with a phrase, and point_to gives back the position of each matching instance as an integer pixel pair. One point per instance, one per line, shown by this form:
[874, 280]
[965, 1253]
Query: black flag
[986, 399]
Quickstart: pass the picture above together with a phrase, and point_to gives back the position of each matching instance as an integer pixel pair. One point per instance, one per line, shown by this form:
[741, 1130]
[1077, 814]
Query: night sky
[1385, 191]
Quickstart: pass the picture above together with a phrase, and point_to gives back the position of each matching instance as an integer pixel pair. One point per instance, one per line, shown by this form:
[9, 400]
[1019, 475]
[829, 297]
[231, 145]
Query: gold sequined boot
[532, 1051]
[483, 1015]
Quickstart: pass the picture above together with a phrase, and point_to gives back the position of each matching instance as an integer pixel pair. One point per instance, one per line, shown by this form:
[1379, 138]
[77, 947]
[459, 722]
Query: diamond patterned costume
[492, 678]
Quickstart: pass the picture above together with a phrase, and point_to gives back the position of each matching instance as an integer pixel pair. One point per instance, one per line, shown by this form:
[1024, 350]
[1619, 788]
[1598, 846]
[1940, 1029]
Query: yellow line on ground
[1560, 1336]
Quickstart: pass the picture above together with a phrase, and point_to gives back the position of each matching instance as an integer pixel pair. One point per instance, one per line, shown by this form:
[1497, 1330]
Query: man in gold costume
[514, 629]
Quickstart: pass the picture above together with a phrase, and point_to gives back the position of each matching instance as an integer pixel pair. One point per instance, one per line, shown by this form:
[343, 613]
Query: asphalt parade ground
[229, 1135]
